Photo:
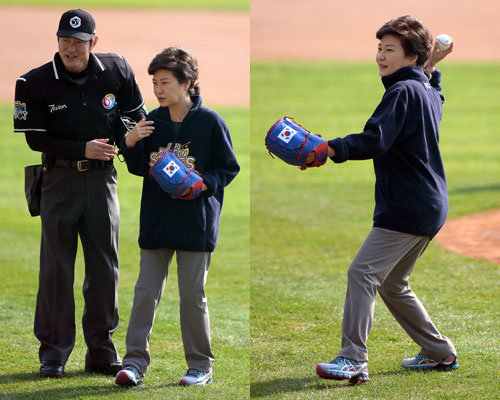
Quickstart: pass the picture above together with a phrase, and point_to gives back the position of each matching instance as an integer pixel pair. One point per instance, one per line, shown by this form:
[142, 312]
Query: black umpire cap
[78, 24]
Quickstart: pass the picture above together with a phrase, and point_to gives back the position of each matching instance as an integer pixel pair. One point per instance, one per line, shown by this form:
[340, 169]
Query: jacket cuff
[211, 185]
[123, 147]
[435, 80]
[341, 152]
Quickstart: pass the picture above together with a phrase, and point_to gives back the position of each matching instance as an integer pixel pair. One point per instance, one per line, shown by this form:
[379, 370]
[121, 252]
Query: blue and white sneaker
[419, 362]
[344, 368]
[128, 376]
[196, 377]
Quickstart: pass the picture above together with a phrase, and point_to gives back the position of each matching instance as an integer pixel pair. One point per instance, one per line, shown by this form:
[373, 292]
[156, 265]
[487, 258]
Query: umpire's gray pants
[192, 269]
[76, 204]
[384, 263]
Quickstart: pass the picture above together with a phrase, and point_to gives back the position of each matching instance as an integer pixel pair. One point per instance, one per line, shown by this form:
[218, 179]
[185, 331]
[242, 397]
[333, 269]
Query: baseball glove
[292, 143]
[174, 177]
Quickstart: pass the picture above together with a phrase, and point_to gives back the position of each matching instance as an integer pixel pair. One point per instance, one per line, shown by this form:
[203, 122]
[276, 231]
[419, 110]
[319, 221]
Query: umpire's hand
[98, 149]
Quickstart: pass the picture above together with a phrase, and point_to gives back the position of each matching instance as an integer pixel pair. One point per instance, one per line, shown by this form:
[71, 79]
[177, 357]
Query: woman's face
[391, 56]
[167, 88]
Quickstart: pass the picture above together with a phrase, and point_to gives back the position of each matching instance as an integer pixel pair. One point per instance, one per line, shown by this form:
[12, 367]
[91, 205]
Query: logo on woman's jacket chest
[180, 150]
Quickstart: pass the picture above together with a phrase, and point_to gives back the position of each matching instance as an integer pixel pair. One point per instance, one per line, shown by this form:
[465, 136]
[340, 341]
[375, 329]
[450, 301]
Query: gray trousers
[192, 269]
[384, 263]
[76, 204]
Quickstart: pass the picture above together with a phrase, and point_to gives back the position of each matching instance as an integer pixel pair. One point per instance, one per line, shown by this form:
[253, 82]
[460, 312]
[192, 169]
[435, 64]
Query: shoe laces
[194, 372]
[343, 361]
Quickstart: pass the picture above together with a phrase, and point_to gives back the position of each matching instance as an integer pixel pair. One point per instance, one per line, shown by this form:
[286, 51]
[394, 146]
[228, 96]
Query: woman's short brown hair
[181, 63]
[414, 35]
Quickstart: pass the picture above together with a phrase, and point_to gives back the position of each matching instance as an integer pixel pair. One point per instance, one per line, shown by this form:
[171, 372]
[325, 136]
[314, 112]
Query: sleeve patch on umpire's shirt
[20, 111]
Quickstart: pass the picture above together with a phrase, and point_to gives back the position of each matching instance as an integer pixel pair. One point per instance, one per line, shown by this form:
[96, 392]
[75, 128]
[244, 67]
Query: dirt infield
[327, 29]
[476, 236]
[219, 40]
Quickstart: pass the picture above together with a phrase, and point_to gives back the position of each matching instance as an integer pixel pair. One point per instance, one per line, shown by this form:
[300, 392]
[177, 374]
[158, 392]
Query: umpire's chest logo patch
[108, 101]
[287, 134]
[171, 169]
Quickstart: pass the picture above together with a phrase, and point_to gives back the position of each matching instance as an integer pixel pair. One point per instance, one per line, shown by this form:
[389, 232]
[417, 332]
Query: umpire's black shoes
[104, 369]
[51, 369]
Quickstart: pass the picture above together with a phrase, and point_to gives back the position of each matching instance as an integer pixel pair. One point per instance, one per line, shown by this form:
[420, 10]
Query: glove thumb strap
[195, 192]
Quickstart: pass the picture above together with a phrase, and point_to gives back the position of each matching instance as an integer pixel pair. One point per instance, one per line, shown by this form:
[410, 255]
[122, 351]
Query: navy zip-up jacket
[402, 137]
[204, 143]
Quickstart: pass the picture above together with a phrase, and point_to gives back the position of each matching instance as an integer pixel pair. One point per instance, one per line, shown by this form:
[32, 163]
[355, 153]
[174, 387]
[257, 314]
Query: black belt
[82, 165]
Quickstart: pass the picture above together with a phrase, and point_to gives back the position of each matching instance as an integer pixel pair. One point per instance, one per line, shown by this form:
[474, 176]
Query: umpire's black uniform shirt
[60, 111]
[49, 99]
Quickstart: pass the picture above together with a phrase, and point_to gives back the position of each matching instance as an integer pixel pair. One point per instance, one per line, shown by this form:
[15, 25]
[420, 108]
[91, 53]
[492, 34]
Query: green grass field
[227, 290]
[306, 226]
[241, 5]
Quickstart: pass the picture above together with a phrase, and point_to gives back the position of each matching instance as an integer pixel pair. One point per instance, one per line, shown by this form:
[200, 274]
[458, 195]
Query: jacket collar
[403, 74]
[95, 66]
[195, 107]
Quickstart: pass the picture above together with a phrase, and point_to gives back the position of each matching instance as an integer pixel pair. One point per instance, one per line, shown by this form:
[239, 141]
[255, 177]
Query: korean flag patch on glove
[292, 143]
[174, 177]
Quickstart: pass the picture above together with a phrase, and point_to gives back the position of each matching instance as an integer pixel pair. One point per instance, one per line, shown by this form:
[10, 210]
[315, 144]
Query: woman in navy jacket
[200, 138]
[411, 201]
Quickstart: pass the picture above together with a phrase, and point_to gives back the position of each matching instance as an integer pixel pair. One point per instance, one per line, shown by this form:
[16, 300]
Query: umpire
[70, 111]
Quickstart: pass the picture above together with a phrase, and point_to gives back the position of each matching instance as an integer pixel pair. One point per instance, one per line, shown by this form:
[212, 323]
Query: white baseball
[444, 42]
